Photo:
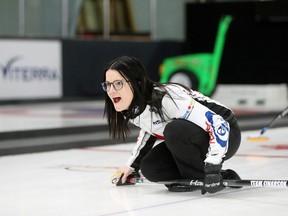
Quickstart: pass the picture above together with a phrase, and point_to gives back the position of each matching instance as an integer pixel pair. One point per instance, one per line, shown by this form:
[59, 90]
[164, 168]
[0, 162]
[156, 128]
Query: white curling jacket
[192, 106]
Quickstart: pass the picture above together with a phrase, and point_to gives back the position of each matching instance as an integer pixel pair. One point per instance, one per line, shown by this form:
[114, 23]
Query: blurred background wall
[59, 18]
[90, 33]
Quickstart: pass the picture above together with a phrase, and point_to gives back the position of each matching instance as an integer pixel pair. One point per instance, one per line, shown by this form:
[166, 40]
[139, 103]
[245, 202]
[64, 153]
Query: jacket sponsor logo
[157, 122]
[189, 110]
[218, 129]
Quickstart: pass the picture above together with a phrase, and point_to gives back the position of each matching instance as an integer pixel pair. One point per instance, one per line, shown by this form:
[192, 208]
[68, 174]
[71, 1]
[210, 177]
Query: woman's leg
[159, 165]
[188, 144]
[183, 153]
[234, 140]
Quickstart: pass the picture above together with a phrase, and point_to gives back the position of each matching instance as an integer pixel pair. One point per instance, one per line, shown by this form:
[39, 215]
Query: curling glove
[117, 178]
[213, 181]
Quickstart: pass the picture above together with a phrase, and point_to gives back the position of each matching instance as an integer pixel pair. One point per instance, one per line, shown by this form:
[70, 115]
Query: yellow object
[116, 177]
[257, 139]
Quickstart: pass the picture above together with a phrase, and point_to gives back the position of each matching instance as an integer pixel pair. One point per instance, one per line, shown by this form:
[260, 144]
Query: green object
[200, 70]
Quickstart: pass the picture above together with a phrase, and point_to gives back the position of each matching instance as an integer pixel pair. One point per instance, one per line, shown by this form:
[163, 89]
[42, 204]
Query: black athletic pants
[182, 154]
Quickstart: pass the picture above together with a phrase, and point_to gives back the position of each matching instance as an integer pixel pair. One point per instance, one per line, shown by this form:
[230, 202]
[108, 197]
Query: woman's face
[122, 97]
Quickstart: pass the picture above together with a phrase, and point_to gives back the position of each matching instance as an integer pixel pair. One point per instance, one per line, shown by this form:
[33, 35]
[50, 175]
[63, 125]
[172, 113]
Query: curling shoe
[230, 174]
[180, 188]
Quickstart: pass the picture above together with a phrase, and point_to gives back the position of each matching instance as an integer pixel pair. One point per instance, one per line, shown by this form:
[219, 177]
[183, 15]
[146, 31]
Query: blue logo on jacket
[220, 128]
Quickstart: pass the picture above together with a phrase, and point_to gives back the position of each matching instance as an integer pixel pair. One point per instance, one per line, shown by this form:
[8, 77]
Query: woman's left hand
[126, 172]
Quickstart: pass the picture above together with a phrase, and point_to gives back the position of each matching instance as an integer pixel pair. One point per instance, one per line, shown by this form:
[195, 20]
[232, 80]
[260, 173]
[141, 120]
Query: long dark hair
[142, 86]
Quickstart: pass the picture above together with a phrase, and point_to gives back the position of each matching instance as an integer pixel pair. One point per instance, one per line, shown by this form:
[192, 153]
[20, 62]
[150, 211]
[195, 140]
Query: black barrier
[83, 61]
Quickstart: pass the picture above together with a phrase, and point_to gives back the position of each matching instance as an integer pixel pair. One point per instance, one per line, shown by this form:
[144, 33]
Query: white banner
[30, 69]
